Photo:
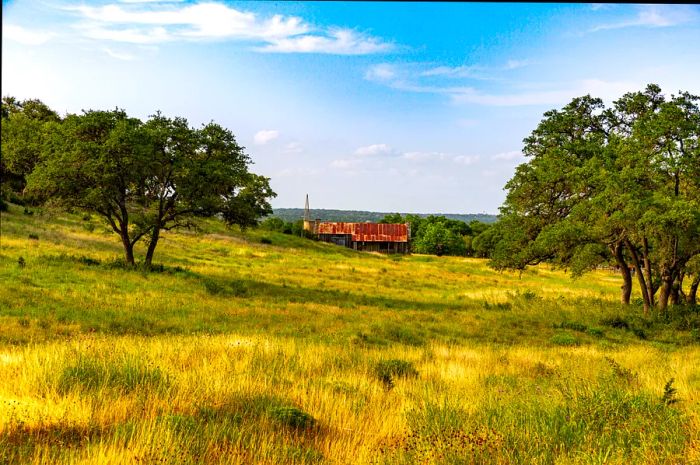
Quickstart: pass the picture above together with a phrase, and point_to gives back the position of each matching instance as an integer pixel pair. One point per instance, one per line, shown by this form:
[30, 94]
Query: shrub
[580, 327]
[597, 332]
[615, 322]
[670, 392]
[619, 372]
[292, 417]
[234, 288]
[564, 339]
[88, 261]
[386, 370]
[639, 332]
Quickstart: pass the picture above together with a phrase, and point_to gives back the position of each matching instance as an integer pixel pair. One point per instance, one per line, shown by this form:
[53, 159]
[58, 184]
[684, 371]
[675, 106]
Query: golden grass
[100, 365]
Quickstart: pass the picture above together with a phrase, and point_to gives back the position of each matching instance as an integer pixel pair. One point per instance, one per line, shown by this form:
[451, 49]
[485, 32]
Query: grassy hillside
[294, 214]
[235, 351]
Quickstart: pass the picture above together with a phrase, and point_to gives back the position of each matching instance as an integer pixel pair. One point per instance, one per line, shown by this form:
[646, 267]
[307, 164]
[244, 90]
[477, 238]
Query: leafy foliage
[610, 186]
[143, 178]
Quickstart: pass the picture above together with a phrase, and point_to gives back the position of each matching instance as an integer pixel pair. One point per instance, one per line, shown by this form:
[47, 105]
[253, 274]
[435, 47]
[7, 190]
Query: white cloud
[380, 72]
[265, 136]
[293, 147]
[512, 155]
[466, 159]
[25, 36]
[655, 16]
[346, 163]
[298, 172]
[515, 64]
[145, 24]
[337, 42]
[424, 156]
[374, 150]
[541, 94]
[556, 95]
[119, 55]
[472, 71]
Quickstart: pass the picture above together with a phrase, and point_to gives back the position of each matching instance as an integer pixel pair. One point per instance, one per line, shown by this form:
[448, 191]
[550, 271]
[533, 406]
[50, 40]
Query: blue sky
[412, 107]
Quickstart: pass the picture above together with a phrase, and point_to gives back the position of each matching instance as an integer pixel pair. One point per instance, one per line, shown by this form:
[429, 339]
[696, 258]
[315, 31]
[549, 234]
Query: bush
[292, 417]
[615, 322]
[386, 370]
[580, 327]
[597, 332]
[564, 339]
[88, 261]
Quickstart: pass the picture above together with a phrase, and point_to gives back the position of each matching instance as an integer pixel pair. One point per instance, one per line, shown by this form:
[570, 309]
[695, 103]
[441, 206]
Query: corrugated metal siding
[367, 232]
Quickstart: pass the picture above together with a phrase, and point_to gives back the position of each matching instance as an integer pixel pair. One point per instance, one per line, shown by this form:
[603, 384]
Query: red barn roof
[367, 232]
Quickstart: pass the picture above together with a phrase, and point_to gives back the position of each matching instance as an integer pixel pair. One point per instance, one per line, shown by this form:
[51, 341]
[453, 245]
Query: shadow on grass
[20, 443]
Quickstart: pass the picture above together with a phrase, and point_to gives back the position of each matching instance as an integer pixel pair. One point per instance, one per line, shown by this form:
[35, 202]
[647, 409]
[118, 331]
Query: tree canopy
[616, 184]
[142, 177]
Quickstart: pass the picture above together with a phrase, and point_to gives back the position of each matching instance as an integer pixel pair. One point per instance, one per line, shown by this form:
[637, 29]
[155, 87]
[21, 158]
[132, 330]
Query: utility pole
[307, 215]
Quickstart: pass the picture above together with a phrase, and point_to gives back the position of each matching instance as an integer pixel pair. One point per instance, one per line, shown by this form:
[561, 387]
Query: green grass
[233, 350]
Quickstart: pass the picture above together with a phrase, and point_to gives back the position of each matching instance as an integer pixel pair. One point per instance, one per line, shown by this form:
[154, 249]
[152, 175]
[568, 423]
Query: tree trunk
[691, 298]
[664, 293]
[640, 277]
[152, 246]
[626, 288]
[128, 248]
[647, 271]
[675, 297]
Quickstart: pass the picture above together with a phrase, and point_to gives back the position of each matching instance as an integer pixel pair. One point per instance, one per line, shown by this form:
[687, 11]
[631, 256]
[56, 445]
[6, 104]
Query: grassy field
[240, 352]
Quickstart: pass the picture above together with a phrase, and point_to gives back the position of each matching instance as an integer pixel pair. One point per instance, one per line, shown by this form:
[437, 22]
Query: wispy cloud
[500, 94]
[380, 72]
[140, 23]
[336, 42]
[26, 36]
[264, 136]
[382, 157]
[508, 156]
[374, 150]
[655, 16]
[293, 147]
[119, 55]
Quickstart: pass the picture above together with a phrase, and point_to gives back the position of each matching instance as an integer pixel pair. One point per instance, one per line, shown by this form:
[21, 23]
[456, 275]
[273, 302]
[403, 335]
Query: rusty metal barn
[368, 237]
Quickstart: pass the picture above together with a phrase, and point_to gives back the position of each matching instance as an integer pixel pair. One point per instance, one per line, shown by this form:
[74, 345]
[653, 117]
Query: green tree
[609, 185]
[96, 161]
[25, 126]
[438, 239]
[148, 178]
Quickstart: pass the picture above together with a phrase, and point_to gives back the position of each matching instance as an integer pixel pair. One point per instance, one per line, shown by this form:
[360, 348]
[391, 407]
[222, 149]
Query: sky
[408, 107]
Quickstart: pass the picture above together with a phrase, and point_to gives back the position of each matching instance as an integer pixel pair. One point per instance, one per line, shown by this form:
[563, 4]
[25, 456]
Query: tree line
[617, 184]
[438, 235]
[143, 178]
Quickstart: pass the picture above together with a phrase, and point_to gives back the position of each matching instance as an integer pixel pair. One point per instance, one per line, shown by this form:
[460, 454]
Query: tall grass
[239, 352]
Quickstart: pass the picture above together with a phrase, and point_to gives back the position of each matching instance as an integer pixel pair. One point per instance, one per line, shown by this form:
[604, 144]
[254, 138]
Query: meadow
[245, 347]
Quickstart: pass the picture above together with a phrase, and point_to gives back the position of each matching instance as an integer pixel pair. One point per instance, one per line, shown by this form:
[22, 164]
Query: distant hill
[293, 214]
